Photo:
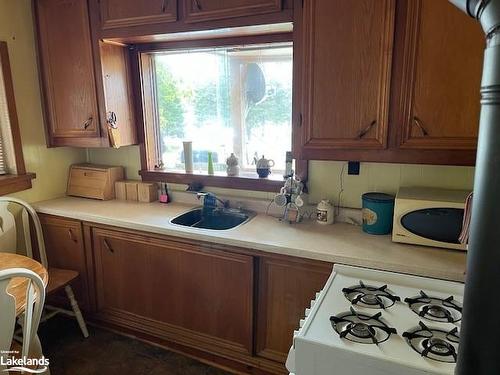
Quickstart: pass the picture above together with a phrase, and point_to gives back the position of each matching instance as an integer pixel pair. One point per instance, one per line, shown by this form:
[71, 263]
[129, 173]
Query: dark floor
[107, 353]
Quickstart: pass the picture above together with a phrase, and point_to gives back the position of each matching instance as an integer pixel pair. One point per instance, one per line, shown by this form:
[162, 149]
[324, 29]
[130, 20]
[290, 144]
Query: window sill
[240, 182]
[12, 183]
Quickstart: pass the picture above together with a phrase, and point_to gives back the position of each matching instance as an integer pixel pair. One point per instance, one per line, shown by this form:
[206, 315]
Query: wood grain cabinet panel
[210, 10]
[285, 288]
[67, 68]
[118, 89]
[126, 13]
[345, 54]
[188, 294]
[78, 101]
[65, 249]
[439, 90]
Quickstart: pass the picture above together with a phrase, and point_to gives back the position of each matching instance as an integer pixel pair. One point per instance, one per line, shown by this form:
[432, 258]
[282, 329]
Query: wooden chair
[33, 306]
[58, 278]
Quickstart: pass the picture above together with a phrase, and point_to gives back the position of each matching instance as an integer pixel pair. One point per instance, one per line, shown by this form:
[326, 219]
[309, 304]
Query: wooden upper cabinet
[344, 54]
[124, 13]
[83, 80]
[209, 10]
[441, 63]
[67, 69]
[118, 90]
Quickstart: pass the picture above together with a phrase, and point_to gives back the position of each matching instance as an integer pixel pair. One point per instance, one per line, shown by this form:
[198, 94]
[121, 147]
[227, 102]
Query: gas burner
[370, 296]
[362, 328]
[445, 310]
[434, 343]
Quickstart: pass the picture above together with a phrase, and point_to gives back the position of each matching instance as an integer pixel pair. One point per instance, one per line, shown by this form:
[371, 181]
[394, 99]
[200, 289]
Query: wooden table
[17, 286]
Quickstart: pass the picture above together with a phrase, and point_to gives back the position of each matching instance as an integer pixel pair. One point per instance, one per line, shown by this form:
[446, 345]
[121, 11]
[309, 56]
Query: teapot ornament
[232, 165]
[263, 166]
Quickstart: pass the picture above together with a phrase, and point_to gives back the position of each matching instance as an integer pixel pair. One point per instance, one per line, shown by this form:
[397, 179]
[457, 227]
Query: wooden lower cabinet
[230, 307]
[286, 287]
[65, 249]
[190, 294]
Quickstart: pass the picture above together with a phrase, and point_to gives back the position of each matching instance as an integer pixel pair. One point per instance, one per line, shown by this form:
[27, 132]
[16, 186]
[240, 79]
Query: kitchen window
[224, 99]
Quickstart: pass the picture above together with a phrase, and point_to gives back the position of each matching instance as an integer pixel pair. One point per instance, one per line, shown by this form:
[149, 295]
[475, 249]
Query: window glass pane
[225, 100]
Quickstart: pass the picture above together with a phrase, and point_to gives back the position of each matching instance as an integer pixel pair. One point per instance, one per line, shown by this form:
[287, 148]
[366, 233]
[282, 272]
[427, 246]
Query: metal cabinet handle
[164, 6]
[365, 131]
[107, 246]
[299, 122]
[417, 122]
[71, 235]
[87, 123]
[197, 4]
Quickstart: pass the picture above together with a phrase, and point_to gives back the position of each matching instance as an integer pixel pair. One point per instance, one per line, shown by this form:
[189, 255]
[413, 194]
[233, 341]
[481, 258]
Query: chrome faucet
[203, 195]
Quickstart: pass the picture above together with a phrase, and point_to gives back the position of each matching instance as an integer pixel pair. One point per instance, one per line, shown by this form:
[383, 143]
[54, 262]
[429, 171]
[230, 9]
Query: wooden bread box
[93, 181]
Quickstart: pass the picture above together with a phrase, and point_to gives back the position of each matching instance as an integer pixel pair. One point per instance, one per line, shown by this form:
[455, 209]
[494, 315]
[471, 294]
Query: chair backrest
[35, 298]
[8, 230]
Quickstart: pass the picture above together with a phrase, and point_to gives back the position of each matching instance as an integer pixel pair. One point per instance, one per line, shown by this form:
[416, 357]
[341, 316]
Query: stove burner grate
[370, 296]
[434, 343]
[361, 328]
[446, 310]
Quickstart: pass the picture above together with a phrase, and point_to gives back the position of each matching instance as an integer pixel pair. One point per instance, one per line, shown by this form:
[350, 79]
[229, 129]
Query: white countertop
[337, 243]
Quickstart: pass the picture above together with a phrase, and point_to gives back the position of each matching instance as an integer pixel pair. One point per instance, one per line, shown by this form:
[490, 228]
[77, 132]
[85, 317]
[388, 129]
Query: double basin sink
[213, 218]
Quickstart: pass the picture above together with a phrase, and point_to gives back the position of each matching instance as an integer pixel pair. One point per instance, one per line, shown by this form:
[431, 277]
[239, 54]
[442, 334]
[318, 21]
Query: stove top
[416, 328]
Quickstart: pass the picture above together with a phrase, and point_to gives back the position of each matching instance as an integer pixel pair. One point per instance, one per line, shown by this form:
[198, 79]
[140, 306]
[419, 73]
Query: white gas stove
[369, 322]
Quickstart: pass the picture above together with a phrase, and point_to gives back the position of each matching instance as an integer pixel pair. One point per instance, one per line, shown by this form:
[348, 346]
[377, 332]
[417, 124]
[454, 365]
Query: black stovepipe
[479, 350]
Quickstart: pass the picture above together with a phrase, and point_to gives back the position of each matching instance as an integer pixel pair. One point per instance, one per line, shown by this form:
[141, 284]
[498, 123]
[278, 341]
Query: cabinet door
[125, 13]
[178, 291]
[67, 69]
[208, 10]
[285, 289]
[439, 89]
[344, 55]
[65, 249]
[118, 90]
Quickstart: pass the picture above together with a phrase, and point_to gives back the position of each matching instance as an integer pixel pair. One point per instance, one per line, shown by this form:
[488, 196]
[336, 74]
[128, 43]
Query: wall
[324, 177]
[50, 165]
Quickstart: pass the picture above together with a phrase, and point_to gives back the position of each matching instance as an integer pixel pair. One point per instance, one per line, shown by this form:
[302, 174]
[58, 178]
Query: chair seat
[59, 278]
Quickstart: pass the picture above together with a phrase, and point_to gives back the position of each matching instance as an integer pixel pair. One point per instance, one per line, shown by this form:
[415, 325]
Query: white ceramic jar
[325, 212]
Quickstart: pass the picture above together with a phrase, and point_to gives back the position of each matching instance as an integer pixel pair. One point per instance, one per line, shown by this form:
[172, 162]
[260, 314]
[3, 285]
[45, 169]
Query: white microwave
[429, 217]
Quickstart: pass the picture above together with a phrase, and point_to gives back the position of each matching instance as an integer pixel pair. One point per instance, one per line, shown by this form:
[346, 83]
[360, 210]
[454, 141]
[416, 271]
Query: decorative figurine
[233, 168]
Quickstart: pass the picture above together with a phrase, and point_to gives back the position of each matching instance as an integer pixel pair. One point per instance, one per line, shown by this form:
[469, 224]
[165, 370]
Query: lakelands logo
[23, 364]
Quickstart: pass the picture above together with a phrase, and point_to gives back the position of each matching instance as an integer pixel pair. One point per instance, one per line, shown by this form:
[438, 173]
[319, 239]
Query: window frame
[149, 147]
[11, 183]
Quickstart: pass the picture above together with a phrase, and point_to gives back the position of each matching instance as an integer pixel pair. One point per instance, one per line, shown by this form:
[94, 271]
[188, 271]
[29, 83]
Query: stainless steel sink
[215, 219]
